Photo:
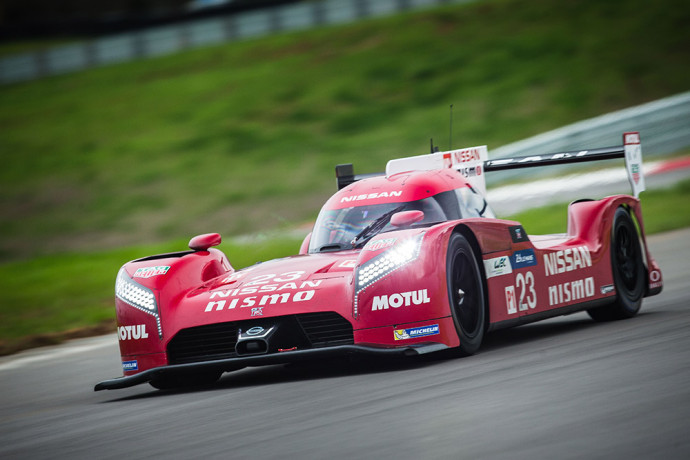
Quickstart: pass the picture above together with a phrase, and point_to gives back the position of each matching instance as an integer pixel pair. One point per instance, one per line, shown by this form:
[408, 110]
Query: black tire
[465, 294]
[190, 380]
[629, 274]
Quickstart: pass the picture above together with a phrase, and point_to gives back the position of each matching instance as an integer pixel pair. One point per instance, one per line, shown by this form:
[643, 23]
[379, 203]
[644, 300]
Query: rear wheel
[628, 271]
[465, 294]
[169, 382]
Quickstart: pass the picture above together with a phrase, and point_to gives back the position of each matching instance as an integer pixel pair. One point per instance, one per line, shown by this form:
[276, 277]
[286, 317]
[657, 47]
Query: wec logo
[497, 266]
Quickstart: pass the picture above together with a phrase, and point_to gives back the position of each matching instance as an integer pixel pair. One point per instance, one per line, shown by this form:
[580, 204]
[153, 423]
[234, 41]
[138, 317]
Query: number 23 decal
[281, 278]
[526, 295]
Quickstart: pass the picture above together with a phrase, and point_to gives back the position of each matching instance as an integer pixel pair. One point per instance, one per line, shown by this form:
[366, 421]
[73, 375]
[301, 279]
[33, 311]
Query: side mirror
[405, 218]
[205, 241]
[305, 244]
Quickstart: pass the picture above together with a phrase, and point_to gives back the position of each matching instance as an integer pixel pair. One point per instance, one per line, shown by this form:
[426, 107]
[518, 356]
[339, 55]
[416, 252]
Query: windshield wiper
[373, 228]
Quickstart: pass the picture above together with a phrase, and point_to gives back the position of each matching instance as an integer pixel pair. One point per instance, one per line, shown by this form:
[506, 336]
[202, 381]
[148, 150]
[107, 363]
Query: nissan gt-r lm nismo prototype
[403, 263]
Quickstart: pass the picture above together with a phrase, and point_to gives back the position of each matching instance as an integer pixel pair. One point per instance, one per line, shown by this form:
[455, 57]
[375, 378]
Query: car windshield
[335, 228]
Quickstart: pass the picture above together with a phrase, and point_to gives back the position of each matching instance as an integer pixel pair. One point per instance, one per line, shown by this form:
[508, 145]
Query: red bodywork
[527, 278]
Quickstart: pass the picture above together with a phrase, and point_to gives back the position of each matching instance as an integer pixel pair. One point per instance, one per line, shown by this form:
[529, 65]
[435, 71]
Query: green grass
[244, 136]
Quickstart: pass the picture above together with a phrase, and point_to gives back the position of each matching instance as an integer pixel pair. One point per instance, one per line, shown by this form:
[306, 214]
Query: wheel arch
[635, 214]
[467, 232]
[592, 220]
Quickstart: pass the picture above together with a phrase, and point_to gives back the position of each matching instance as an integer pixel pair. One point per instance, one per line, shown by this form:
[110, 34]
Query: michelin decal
[411, 333]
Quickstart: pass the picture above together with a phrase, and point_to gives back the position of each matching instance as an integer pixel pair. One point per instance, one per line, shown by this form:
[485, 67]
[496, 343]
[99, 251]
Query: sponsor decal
[148, 272]
[447, 160]
[456, 158]
[497, 266]
[403, 299]
[351, 263]
[258, 311]
[538, 158]
[567, 260]
[633, 161]
[635, 172]
[225, 293]
[470, 171]
[632, 138]
[404, 334]
[608, 288]
[130, 365]
[524, 258]
[466, 155]
[371, 196]
[518, 234]
[251, 301]
[571, 291]
[655, 279]
[379, 244]
[135, 332]
[511, 303]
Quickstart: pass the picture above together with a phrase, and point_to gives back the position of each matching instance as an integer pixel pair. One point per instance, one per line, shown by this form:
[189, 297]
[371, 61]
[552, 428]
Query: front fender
[141, 328]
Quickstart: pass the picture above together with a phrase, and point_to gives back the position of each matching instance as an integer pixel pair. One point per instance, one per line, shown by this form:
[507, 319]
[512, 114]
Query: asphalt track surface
[560, 389]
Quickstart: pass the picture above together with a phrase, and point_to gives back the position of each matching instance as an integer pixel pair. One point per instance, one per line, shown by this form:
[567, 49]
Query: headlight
[388, 261]
[138, 296]
[385, 263]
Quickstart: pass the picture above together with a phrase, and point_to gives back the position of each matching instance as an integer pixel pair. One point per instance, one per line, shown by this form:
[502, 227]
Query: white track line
[37, 356]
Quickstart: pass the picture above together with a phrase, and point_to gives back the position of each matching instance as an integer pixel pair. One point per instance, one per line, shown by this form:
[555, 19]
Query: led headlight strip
[385, 263]
[138, 296]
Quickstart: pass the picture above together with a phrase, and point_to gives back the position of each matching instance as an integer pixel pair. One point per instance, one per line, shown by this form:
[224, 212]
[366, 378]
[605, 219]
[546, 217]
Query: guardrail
[664, 127]
[171, 39]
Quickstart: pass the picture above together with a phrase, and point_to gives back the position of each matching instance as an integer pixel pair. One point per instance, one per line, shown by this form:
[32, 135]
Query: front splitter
[230, 364]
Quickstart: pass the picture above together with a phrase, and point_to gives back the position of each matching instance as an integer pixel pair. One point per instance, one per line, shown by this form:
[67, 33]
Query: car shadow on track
[294, 372]
[559, 326]
[349, 366]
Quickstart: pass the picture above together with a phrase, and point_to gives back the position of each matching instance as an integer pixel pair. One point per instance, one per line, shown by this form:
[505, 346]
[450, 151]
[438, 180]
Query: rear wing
[474, 162]
[631, 150]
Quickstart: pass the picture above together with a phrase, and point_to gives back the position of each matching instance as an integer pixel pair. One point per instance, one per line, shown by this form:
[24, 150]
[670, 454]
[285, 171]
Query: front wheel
[465, 294]
[628, 271]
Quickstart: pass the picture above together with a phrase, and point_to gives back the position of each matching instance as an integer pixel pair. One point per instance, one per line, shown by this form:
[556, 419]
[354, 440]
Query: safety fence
[664, 127]
[171, 39]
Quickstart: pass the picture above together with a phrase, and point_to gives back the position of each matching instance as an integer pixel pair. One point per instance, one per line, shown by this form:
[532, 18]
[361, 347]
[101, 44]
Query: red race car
[403, 263]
